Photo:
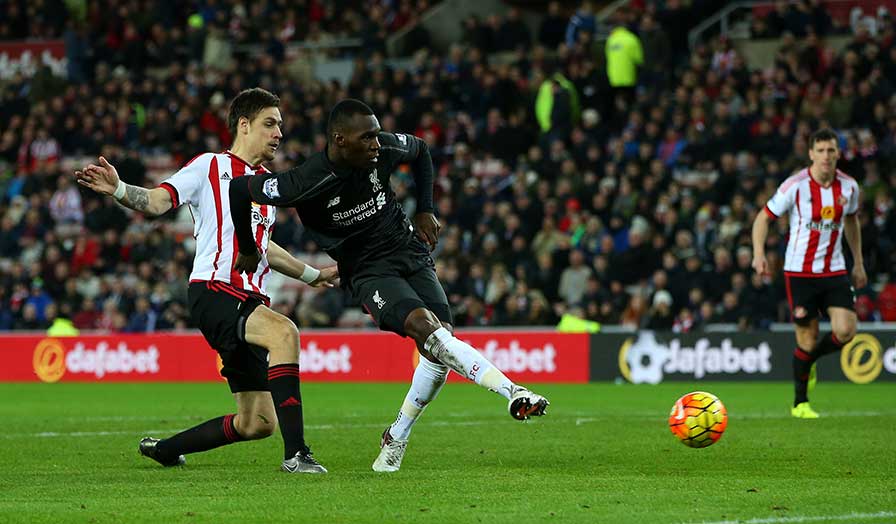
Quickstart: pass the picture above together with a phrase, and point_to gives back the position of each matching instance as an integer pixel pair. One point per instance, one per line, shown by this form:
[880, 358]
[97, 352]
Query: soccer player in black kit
[345, 202]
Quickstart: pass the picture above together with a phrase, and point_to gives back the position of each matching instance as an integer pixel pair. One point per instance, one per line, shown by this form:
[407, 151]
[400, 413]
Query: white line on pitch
[52, 434]
[809, 518]
[578, 422]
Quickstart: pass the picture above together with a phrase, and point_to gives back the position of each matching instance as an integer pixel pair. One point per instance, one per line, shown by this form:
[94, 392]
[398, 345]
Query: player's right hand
[329, 277]
[102, 178]
[247, 263]
[760, 264]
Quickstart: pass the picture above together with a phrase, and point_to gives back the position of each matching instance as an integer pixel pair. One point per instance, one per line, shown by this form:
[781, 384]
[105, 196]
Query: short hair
[822, 135]
[248, 104]
[343, 111]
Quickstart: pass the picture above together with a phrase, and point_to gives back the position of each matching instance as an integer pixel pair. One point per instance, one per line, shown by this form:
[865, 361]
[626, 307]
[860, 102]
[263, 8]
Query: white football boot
[524, 404]
[391, 453]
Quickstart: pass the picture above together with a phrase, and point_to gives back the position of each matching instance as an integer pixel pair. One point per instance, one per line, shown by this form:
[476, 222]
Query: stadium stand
[557, 191]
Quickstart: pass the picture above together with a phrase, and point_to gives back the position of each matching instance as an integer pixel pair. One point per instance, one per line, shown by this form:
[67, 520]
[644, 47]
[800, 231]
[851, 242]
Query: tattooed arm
[103, 179]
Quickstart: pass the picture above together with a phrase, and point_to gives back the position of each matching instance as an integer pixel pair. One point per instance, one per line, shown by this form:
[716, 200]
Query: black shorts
[391, 287]
[220, 310]
[810, 296]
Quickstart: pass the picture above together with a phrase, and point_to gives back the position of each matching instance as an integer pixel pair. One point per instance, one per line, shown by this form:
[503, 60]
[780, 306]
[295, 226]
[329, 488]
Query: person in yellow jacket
[61, 325]
[624, 56]
[557, 105]
[574, 321]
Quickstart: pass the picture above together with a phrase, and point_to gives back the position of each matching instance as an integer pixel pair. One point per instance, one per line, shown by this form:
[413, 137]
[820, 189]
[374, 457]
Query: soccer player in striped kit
[823, 203]
[258, 346]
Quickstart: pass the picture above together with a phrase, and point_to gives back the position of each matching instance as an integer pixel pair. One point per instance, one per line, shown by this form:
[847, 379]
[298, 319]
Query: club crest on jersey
[375, 181]
[271, 189]
[403, 139]
[827, 212]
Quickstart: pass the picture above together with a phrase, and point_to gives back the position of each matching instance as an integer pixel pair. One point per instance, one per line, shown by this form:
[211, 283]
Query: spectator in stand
[661, 317]
[582, 21]
[552, 31]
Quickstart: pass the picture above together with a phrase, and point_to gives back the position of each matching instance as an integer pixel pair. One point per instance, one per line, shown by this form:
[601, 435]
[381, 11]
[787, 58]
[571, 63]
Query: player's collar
[250, 166]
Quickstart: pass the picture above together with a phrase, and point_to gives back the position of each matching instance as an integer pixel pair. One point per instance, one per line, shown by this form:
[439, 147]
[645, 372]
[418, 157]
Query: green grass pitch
[604, 453]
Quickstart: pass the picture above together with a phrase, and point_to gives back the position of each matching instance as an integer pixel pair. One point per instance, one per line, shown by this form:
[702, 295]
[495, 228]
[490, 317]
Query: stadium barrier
[646, 357]
[526, 356]
[332, 356]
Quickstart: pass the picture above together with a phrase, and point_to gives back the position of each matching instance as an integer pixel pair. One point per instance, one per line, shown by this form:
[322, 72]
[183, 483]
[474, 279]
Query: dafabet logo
[51, 361]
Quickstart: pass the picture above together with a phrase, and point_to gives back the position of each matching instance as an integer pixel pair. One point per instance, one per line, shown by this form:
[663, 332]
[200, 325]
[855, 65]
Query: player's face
[265, 132]
[824, 155]
[362, 147]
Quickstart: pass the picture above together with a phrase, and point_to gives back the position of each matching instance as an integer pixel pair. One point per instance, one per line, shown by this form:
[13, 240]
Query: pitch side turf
[603, 454]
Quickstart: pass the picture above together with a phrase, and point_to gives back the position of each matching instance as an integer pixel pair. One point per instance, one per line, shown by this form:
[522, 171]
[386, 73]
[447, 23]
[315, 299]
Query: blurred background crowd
[607, 168]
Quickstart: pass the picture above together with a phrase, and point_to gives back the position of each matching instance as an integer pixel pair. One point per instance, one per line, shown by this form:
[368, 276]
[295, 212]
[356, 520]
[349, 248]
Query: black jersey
[352, 215]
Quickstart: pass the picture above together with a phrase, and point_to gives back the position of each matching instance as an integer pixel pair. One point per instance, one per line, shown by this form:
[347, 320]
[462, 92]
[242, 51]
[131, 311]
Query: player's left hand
[427, 226]
[859, 278]
[329, 277]
[247, 263]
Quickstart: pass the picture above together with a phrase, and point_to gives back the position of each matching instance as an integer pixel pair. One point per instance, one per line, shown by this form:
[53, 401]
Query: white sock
[428, 380]
[469, 363]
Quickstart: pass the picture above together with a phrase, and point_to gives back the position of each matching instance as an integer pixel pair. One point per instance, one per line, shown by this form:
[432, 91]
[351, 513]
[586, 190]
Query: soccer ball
[698, 419]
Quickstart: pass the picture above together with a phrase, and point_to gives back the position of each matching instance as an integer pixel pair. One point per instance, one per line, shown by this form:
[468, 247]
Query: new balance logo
[225, 176]
[291, 401]
[380, 301]
[334, 202]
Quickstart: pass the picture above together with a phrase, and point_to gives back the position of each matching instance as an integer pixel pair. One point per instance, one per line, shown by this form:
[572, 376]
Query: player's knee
[256, 427]
[845, 334]
[285, 338]
[420, 323]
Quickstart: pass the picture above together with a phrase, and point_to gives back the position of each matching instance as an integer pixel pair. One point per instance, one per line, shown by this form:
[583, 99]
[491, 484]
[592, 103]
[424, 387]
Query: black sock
[826, 345]
[802, 363]
[208, 435]
[283, 379]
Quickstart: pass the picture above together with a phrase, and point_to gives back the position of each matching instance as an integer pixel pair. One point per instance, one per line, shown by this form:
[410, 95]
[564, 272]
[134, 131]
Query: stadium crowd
[559, 188]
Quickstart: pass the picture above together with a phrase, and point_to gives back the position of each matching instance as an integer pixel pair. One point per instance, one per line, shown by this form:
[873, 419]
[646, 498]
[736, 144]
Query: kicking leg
[423, 326]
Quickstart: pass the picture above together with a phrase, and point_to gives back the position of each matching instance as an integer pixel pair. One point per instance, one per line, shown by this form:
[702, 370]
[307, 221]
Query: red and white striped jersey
[816, 221]
[204, 184]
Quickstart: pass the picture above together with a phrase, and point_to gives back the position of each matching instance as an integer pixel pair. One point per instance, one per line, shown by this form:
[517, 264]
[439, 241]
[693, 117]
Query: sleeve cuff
[175, 201]
[770, 213]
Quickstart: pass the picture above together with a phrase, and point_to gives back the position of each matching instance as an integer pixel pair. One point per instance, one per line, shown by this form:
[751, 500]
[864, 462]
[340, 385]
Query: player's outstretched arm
[283, 262]
[103, 179]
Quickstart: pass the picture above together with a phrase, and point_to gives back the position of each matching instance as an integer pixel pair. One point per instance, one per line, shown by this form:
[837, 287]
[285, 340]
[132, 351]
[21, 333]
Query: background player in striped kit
[259, 347]
[821, 201]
